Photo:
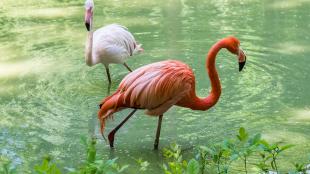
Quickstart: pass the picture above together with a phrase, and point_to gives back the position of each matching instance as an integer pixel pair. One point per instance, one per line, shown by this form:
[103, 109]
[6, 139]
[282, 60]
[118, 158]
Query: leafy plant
[5, 166]
[300, 167]
[203, 157]
[47, 167]
[192, 167]
[262, 164]
[178, 165]
[221, 156]
[215, 158]
[94, 166]
[246, 146]
[273, 151]
[143, 164]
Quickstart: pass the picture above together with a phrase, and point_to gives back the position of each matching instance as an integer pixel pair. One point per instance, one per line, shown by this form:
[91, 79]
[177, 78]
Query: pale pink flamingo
[110, 44]
[158, 86]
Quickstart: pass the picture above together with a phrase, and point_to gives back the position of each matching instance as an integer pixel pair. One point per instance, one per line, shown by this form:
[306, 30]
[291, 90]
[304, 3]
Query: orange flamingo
[158, 86]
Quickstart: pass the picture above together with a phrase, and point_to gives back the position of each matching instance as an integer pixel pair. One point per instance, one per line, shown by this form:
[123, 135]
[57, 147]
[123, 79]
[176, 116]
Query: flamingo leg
[127, 67]
[109, 77]
[160, 118]
[112, 133]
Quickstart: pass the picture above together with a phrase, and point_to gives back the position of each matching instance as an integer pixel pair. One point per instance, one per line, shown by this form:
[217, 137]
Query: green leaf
[165, 167]
[264, 145]
[215, 158]
[255, 140]
[122, 168]
[192, 167]
[286, 147]
[227, 144]
[207, 150]
[243, 135]
[184, 163]
[234, 157]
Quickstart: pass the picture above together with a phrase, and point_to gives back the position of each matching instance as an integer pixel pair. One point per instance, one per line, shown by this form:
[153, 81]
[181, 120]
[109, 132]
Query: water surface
[49, 96]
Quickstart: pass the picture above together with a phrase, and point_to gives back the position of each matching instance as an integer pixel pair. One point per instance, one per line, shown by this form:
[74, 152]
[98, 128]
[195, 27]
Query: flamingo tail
[109, 106]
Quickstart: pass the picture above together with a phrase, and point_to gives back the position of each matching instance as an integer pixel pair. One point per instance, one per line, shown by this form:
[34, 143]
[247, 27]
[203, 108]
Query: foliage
[5, 166]
[47, 167]
[246, 146]
[272, 152]
[94, 166]
[177, 165]
[143, 164]
[91, 166]
[216, 158]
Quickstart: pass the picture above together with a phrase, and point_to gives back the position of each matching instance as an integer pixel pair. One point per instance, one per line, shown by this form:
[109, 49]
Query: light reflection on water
[49, 96]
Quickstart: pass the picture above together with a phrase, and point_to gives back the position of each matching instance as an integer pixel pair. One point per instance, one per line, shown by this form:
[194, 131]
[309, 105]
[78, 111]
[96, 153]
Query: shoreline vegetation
[235, 155]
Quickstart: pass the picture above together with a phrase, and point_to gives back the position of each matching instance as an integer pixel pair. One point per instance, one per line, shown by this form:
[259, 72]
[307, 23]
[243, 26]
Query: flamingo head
[89, 6]
[233, 45]
[138, 49]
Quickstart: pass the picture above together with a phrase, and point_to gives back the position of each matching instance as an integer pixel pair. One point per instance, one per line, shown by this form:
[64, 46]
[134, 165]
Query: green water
[49, 97]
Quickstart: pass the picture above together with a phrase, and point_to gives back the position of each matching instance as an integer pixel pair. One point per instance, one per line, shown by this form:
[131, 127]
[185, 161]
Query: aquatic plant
[47, 167]
[96, 166]
[177, 165]
[273, 151]
[215, 158]
[5, 166]
[218, 158]
[246, 146]
[143, 164]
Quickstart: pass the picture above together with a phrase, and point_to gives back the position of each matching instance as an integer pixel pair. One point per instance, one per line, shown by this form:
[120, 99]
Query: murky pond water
[49, 97]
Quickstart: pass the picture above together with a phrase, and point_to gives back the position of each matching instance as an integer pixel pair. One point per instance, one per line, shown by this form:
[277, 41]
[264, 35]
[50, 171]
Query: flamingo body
[112, 44]
[154, 87]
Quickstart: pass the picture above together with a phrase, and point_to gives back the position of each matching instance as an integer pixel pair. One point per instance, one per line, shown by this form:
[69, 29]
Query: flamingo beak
[88, 18]
[242, 59]
[87, 25]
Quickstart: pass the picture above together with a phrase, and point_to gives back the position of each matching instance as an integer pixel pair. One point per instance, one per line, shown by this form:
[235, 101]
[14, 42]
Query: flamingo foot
[112, 133]
[156, 146]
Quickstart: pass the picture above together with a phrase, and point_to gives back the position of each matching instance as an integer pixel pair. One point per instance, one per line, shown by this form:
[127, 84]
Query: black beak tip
[241, 65]
[87, 26]
[100, 106]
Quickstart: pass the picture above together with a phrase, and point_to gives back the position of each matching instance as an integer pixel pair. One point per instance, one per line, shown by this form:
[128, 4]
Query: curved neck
[214, 95]
[89, 46]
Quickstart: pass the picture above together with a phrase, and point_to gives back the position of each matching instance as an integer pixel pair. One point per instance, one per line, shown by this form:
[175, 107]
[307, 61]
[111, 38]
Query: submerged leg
[112, 133]
[127, 67]
[160, 118]
[109, 77]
